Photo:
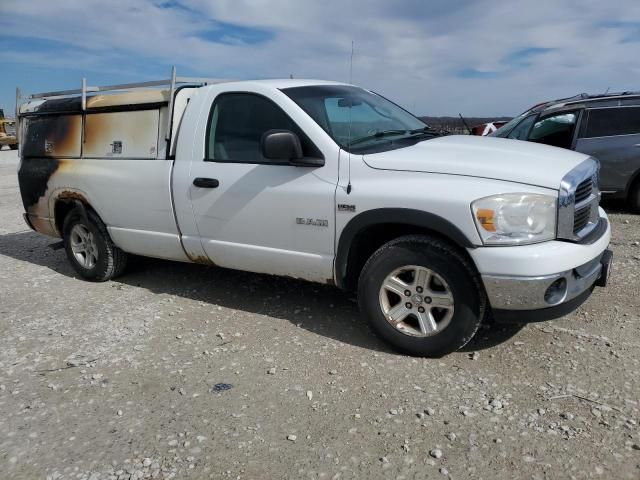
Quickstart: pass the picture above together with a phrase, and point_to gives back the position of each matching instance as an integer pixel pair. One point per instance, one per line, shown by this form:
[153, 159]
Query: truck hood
[495, 158]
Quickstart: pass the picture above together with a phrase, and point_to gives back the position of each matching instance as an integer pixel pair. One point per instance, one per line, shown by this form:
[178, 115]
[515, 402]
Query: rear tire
[14, 146]
[421, 296]
[89, 247]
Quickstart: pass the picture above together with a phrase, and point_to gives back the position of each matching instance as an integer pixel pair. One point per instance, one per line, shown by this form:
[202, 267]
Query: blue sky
[435, 57]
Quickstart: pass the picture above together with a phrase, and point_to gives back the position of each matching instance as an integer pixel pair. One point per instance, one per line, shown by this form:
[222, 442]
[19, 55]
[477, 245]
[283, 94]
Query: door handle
[206, 182]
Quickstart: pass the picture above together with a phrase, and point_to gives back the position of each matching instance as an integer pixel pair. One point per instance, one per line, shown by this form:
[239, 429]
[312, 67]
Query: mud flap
[605, 273]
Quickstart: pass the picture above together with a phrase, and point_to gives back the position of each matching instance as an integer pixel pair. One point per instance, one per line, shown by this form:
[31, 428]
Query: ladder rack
[171, 82]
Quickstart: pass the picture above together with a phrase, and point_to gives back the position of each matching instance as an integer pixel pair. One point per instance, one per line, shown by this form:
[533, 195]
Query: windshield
[356, 118]
[504, 130]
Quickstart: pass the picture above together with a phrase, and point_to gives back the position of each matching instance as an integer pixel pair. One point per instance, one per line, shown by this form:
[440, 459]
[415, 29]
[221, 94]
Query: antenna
[349, 136]
[351, 64]
[465, 124]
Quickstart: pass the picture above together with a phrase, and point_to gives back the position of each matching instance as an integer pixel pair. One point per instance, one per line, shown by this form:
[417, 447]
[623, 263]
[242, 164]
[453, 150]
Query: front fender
[396, 216]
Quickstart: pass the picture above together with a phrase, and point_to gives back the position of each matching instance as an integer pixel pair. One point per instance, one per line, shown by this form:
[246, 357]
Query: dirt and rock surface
[186, 371]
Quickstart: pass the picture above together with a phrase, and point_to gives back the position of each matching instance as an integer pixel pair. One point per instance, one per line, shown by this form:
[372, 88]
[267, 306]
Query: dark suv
[606, 127]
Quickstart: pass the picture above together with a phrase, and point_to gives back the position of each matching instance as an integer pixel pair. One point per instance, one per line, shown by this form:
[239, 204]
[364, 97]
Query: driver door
[256, 214]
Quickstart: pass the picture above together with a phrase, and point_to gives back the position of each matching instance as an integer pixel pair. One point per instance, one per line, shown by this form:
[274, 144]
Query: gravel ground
[186, 371]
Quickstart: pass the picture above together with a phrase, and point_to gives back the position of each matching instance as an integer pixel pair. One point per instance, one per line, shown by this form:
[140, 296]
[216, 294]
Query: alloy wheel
[83, 246]
[416, 301]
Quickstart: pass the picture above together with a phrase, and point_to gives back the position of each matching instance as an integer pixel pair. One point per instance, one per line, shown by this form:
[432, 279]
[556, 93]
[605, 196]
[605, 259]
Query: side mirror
[285, 145]
[281, 145]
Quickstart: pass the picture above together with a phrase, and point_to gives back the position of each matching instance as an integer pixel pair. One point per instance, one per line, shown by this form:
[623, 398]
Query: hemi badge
[343, 207]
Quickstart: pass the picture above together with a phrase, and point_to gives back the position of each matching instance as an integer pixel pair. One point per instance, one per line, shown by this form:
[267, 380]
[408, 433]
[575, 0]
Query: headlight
[515, 218]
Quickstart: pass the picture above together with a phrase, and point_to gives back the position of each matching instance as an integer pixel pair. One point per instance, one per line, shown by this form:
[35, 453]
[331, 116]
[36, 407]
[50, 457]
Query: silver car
[606, 127]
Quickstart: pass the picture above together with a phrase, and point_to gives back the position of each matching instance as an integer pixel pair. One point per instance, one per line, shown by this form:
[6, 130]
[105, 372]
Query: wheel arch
[64, 202]
[369, 230]
[634, 179]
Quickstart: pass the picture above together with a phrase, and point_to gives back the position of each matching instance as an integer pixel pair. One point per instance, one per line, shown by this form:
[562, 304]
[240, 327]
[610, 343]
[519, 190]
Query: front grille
[578, 202]
[584, 190]
[581, 218]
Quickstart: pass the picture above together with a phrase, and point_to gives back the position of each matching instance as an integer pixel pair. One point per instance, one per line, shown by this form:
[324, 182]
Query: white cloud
[411, 51]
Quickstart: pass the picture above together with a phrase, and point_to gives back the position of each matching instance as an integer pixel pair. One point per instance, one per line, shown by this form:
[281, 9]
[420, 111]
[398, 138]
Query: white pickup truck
[321, 181]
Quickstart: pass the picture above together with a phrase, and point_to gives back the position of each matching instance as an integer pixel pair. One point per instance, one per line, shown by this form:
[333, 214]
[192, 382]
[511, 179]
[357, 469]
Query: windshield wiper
[384, 133]
[427, 129]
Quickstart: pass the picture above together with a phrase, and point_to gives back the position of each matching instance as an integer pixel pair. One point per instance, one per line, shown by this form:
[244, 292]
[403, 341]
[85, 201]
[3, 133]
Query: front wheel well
[634, 187]
[371, 238]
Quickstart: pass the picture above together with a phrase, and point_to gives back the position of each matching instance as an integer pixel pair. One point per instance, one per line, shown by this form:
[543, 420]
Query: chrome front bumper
[533, 293]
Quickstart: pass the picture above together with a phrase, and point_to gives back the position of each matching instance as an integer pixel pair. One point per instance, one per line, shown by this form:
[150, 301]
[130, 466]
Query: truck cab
[322, 181]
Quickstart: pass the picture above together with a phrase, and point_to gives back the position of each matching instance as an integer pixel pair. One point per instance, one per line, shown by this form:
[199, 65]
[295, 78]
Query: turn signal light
[485, 218]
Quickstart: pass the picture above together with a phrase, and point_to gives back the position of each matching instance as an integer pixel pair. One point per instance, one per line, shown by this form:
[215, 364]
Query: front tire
[89, 247]
[421, 296]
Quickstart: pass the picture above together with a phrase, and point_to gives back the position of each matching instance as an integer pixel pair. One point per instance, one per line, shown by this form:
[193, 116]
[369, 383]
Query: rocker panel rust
[202, 260]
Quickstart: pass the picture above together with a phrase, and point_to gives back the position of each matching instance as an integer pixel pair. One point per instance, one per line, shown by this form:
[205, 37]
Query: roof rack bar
[61, 93]
[172, 90]
[124, 86]
[205, 81]
[613, 96]
[84, 94]
[18, 97]
[128, 86]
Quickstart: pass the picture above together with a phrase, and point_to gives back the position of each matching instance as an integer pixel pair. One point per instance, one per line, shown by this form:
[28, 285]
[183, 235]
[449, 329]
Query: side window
[521, 130]
[608, 122]
[556, 130]
[236, 124]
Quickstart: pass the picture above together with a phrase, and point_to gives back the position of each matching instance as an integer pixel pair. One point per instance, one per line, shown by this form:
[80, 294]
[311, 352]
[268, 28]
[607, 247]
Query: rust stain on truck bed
[72, 195]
